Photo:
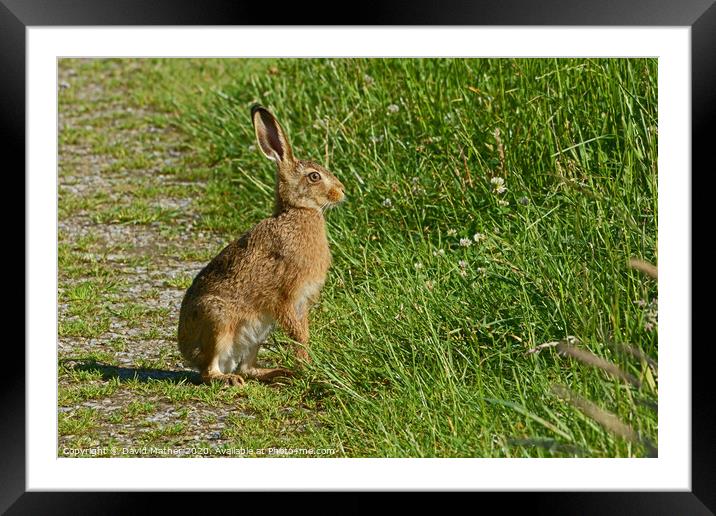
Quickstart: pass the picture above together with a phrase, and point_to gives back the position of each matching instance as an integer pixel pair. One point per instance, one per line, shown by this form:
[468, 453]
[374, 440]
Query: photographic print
[357, 257]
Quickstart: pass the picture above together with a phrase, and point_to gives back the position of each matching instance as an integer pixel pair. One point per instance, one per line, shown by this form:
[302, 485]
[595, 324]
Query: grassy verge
[493, 206]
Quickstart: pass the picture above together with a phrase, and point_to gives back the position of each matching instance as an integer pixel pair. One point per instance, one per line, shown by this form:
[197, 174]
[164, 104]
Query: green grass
[419, 342]
[139, 212]
[181, 282]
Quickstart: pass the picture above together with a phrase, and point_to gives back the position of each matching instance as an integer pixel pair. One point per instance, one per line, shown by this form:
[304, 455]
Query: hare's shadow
[142, 374]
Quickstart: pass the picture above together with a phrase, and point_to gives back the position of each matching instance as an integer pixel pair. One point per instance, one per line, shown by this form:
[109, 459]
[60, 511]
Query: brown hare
[270, 274]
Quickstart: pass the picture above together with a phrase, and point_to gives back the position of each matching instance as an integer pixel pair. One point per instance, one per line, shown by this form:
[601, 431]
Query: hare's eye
[314, 176]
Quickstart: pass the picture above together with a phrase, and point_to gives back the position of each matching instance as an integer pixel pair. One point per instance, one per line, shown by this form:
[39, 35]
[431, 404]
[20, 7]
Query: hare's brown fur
[270, 275]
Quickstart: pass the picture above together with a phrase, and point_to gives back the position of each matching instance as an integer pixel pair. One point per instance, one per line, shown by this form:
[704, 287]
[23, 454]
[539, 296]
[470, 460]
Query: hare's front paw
[302, 354]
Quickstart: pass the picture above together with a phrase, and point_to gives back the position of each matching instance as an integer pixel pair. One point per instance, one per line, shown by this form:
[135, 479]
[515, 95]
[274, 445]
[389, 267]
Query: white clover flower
[463, 273]
[451, 232]
[387, 203]
[462, 264]
[503, 202]
[393, 108]
[465, 242]
[368, 79]
[498, 185]
[478, 236]
[439, 252]
[418, 265]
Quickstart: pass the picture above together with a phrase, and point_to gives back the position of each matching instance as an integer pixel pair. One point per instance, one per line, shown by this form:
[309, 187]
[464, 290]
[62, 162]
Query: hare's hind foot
[267, 375]
[228, 379]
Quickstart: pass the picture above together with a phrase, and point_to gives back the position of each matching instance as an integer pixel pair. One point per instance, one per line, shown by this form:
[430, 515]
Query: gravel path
[131, 265]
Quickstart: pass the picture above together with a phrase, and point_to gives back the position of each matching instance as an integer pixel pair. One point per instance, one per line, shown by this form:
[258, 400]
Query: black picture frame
[17, 15]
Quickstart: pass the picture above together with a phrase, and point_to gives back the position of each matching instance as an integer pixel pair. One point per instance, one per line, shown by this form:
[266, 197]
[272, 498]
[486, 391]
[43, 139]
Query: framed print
[484, 202]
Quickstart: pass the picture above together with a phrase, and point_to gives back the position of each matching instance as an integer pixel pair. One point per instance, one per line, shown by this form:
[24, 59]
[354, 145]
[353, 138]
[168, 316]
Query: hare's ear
[270, 136]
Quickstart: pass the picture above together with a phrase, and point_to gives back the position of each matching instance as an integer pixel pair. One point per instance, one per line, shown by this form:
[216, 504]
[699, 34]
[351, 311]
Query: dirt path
[128, 248]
